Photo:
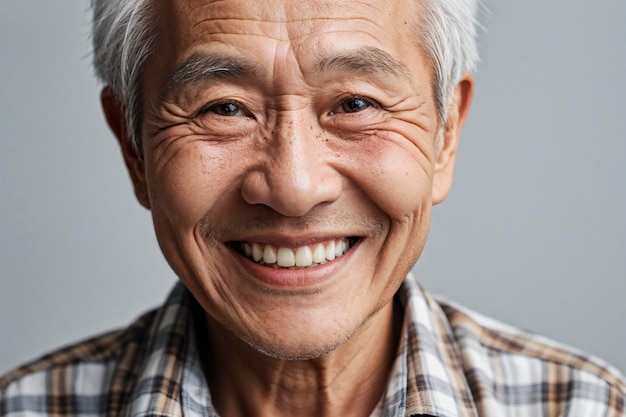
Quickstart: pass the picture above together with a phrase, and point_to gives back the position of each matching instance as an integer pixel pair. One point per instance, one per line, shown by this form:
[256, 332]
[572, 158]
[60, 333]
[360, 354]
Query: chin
[295, 339]
[295, 351]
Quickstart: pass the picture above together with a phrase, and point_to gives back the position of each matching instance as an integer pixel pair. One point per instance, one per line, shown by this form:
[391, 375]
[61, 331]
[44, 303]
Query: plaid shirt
[451, 362]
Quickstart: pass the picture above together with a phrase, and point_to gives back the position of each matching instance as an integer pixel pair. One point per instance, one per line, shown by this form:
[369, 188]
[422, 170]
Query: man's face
[297, 132]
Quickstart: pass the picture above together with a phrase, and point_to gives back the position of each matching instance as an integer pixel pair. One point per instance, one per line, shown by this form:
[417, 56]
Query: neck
[346, 382]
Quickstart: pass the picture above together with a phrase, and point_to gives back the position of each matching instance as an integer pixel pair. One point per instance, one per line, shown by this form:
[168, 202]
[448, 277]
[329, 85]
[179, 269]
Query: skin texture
[303, 144]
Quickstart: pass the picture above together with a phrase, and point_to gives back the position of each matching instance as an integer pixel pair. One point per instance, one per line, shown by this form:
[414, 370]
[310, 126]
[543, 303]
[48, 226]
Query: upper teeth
[302, 256]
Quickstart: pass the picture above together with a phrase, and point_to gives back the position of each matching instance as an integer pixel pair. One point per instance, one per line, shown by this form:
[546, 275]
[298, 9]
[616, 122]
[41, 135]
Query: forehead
[287, 43]
[297, 22]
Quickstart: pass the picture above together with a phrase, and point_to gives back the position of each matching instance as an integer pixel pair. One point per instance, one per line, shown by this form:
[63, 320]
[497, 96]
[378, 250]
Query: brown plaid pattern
[451, 363]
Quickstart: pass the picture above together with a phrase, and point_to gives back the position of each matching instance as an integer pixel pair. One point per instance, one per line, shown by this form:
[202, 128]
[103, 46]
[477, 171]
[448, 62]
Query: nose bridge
[291, 172]
[296, 176]
[293, 155]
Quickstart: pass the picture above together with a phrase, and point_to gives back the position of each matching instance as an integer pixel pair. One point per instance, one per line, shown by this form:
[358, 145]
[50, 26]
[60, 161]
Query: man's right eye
[226, 108]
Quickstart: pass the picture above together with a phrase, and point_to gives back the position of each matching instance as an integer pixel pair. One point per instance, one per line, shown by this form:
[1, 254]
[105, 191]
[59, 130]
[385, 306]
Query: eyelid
[343, 99]
[211, 105]
[208, 106]
[369, 100]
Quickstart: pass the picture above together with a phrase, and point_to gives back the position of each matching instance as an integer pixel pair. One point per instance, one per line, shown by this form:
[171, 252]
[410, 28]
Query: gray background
[532, 234]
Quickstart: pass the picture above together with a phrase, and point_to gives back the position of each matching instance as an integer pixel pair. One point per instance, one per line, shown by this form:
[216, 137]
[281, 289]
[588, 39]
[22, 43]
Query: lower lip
[296, 278]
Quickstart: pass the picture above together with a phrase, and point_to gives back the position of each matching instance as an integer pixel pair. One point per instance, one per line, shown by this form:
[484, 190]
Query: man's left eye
[354, 104]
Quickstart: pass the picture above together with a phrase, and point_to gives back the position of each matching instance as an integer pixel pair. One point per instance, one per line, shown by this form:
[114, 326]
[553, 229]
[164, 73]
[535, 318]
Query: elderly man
[290, 153]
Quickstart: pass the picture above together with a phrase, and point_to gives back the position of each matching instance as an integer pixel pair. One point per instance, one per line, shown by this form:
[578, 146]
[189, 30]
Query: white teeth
[285, 257]
[319, 255]
[269, 255]
[339, 249]
[301, 257]
[257, 252]
[330, 250]
[304, 256]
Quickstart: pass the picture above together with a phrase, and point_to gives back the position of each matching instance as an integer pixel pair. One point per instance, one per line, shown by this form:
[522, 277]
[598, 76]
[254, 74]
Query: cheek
[187, 182]
[401, 187]
[396, 177]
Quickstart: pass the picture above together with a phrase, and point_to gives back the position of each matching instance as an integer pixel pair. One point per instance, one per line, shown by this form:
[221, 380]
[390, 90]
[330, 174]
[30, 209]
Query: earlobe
[448, 140]
[116, 118]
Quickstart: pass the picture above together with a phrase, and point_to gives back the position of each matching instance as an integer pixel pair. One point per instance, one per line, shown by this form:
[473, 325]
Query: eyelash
[345, 100]
[212, 107]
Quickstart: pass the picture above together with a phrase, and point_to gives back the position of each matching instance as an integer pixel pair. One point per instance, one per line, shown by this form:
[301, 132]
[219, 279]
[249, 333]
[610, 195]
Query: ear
[448, 138]
[115, 114]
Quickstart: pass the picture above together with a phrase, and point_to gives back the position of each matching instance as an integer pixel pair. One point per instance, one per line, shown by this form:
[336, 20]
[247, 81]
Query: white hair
[447, 33]
[124, 34]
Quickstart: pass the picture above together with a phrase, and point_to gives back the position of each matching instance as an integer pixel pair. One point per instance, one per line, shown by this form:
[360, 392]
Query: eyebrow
[209, 67]
[214, 67]
[370, 60]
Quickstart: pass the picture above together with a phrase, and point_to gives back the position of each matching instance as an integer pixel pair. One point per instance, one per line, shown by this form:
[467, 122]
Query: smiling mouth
[295, 258]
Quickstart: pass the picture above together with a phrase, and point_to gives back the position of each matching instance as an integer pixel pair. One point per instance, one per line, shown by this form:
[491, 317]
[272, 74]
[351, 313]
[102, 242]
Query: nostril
[292, 184]
[254, 187]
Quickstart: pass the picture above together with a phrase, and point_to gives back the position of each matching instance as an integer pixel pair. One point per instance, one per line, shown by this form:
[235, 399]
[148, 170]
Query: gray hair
[448, 36]
[124, 35]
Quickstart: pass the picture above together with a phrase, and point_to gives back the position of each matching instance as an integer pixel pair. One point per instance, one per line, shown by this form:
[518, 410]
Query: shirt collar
[435, 383]
[157, 391]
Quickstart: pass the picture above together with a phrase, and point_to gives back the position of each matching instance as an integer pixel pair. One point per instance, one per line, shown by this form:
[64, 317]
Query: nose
[296, 174]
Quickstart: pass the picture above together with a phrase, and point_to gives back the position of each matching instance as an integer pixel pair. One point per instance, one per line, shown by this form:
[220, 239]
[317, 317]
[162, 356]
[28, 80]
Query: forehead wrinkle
[370, 60]
[281, 31]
